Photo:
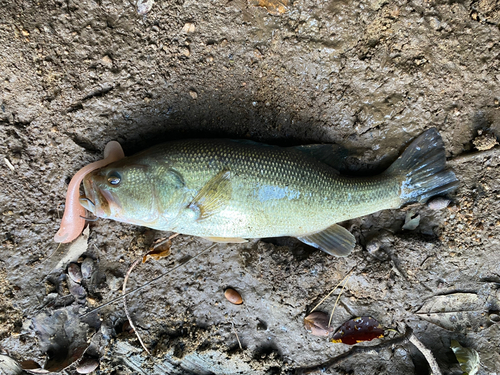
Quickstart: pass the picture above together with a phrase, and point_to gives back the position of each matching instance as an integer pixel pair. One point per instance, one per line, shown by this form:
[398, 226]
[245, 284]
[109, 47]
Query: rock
[87, 267]
[87, 365]
[74, 272]
[438, 203]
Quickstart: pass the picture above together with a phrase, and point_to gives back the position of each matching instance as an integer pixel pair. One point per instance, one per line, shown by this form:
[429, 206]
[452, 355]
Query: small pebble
[106, 60]
[233, 296]
[74, 272]
[411, 221]
[87, 267]
[114, 282]
[373, 246]
[317, 323]
[144, 6]
[494, 318]
[87, 365]
[189, 27]
[485, 141]
[193, 94]
[438, 203]
[77, 291]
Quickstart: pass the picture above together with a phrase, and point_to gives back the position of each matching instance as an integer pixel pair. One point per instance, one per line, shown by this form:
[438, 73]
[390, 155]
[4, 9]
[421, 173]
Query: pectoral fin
[334, 240]
[226, 239]
[213, 196]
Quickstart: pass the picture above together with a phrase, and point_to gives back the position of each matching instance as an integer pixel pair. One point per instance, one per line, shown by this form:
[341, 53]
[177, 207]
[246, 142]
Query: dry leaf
[274, 7]
[467, 358]
[62, 336]
[76, 248]
[458, 312]
[317, 324]
[363, 328]
[161, 250]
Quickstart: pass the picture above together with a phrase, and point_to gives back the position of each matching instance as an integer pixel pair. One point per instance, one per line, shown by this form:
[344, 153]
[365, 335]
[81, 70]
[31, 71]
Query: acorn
[233, 296]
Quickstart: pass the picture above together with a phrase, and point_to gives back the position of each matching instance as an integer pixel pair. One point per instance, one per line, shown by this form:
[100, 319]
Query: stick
[333, 290]
[236, 334]
[124, 288]
[355, 350]
[148, 283]
[338, 297]
[471, 156]
[431, 360]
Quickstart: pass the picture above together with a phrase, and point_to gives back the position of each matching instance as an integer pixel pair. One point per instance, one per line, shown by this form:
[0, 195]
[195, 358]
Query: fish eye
[114, 178]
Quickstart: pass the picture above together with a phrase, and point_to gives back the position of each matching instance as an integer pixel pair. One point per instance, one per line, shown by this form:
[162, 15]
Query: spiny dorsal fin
[332, 155]
[334, 240]
[213, 196]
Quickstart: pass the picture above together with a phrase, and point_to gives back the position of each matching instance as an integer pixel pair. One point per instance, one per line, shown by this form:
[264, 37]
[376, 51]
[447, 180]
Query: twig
[431, 360]
[148, 283]
[124, 288]
[236, 334]
[9, 164]
[165, 240]
[471, 156]
[338, 297]
[355, 350]
[333, 290]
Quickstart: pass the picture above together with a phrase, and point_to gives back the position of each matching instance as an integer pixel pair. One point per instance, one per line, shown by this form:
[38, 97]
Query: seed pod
[317, 323]
[233, 296]
[74, 272]
[87, 365]
[87, 267]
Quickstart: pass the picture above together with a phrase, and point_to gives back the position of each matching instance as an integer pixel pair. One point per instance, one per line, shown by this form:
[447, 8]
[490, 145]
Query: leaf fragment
[274, 7]
[362, 328]
[411, 221]
[161, 250]
[468, 358]
[318, 324]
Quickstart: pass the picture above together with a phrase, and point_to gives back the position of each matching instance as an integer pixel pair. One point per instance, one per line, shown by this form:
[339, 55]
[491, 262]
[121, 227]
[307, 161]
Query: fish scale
[234, 190]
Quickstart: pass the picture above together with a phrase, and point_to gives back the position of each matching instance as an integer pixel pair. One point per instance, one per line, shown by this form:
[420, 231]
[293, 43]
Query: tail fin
[422, 167]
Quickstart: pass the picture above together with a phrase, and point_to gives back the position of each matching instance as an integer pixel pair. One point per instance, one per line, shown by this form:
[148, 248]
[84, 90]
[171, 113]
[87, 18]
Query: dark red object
[363, 328]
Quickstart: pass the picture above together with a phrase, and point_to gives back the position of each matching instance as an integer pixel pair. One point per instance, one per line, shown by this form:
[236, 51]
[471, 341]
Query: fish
[234, 190]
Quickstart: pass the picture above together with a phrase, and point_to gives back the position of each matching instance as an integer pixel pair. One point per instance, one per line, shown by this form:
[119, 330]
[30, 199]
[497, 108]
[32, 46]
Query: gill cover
[123, 192]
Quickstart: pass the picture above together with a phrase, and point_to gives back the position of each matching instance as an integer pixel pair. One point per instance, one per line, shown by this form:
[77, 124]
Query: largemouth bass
[229, 190]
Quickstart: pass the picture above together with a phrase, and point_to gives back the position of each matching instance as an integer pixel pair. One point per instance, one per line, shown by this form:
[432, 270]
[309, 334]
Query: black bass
[229, 190]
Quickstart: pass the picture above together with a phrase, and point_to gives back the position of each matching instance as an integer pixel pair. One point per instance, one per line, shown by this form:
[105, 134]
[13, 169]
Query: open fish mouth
[96, 200]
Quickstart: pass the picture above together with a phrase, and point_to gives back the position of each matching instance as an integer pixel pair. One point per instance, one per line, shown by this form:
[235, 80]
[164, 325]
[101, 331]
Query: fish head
[123, 192]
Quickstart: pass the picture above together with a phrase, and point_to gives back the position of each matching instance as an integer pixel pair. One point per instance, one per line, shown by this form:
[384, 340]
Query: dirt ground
[369, 75]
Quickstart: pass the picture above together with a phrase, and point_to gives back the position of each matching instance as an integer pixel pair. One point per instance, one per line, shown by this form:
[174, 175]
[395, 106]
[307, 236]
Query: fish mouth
[95, 199]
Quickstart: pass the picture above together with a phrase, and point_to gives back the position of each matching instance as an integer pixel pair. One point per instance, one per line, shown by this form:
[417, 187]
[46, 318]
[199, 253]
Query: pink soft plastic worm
[73, 221]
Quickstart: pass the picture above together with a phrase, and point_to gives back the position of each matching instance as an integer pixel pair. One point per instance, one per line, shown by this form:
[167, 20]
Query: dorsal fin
[332, 155]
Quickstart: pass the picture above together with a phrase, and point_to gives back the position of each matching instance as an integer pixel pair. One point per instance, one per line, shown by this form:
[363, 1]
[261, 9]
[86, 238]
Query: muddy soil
[369, 75]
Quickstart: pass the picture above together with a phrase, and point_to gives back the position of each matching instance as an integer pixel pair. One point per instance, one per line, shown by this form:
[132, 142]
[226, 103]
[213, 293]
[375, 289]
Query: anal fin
[334, 240]
[226, 239]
